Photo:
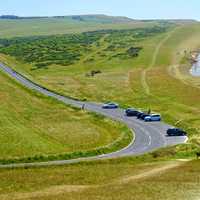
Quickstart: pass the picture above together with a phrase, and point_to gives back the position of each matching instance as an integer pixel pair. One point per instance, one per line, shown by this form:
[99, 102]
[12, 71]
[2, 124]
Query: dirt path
[95, 50]
[153, 62]
[154, 172]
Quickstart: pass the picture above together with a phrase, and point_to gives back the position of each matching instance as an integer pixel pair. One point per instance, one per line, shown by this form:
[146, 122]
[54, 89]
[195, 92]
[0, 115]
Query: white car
[110, 105]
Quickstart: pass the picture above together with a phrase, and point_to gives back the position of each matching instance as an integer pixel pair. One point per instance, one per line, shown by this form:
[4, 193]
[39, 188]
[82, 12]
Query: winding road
[148, 136]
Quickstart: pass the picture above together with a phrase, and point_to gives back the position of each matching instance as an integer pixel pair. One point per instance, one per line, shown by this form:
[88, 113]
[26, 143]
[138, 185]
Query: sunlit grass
[33, 125]
[115, 179]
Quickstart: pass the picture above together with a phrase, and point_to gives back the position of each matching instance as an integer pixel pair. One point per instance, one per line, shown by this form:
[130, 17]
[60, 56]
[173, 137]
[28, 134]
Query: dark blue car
[131, 112]
[176, 132]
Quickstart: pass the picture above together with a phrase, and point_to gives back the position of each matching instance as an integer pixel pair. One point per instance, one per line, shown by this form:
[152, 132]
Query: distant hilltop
[9, 17]
[99, 18]
[81, 18]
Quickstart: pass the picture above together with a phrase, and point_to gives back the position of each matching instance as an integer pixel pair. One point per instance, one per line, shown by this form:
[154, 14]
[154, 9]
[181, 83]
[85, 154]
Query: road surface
[148, 136]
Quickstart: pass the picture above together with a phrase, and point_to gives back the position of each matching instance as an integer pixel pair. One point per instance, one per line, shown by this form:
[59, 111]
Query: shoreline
[194, 56]
[195, 62]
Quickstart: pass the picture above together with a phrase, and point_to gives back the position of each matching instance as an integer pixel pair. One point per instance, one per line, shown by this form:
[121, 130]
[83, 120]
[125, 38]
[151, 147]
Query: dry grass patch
[119, 179]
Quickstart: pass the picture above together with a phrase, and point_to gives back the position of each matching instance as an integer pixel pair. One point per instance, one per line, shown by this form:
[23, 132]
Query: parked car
[152, 117]
[131, 112]
[140, 113]
[110, 105]
[176, 132]
[143, 115]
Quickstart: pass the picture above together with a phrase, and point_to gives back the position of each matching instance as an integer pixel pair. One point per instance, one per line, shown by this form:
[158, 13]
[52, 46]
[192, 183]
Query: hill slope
[14, 26]
[134, 78]
[100, 18]
[35, 126]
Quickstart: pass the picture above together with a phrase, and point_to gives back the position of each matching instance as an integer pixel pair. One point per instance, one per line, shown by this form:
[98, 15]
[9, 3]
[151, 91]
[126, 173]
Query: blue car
[110, 106]
[152, 117]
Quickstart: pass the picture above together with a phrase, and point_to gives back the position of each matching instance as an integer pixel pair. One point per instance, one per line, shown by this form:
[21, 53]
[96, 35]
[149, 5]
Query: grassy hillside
[35, 126]
[156, 76]
[146, 80]
[114, 179]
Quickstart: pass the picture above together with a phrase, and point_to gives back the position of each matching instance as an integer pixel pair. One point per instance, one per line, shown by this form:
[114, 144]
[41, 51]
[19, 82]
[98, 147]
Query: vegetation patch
[69, 49]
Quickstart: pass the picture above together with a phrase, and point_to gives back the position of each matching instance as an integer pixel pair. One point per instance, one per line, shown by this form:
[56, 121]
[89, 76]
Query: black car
[139, 114]
[143, 116]
[176, 132]
[131, 112]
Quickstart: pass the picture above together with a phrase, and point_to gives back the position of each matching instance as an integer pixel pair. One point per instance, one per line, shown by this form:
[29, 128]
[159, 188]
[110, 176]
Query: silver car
[152, 117]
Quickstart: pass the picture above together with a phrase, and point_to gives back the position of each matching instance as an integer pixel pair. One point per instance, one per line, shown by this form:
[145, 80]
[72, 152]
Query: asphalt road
[149, 136]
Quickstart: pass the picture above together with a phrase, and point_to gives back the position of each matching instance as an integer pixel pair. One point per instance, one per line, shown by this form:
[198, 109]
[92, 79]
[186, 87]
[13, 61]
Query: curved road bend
[148, 136]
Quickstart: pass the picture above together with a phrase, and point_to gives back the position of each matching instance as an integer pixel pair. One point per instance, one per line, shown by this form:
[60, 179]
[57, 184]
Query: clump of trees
[134, 51]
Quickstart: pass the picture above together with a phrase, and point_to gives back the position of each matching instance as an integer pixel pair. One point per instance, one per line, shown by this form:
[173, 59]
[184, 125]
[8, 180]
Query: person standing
[83, 107]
